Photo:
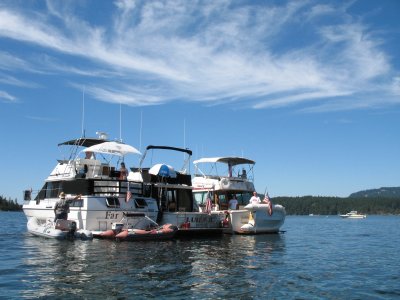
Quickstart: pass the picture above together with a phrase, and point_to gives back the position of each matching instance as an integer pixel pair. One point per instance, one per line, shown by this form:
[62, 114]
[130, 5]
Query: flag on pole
[128, 193]
[128, 196]
[269, 202]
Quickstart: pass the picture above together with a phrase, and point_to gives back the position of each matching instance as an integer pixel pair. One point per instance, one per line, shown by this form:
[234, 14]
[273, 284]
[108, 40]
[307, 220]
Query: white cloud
[396, 86]
[217, 52]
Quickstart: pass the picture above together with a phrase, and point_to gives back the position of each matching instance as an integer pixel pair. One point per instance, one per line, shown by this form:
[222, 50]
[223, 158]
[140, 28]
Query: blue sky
[310, 90]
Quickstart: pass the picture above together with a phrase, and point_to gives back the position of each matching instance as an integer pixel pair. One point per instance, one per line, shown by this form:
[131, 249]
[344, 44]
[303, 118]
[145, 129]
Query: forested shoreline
[304, 205]
[317, 205]
[9, 205]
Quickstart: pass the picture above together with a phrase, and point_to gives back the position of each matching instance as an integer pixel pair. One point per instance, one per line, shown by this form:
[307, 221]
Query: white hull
[237, 183]
[94, 215]
[255, 219]
[353, 215]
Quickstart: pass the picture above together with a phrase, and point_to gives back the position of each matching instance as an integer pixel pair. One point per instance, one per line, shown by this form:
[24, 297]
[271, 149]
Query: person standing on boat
[61, 209]
[123, 172]
[233, 203]
[255, 199]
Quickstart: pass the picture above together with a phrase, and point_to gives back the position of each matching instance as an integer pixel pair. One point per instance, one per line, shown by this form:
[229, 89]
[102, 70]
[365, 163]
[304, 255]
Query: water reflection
[147, 269]
[54, 267]
[314, 259]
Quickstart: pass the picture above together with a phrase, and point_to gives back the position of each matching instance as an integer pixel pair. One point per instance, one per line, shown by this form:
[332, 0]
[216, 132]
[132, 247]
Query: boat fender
[108, 234]
[122, 235]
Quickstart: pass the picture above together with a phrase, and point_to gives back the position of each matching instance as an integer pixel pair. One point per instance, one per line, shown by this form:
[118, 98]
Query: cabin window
[112, 202]
[200, 198]
[185, 199]
[221, 199]
[76, 203]
[140, 203]
[53, 189]
[147, 190]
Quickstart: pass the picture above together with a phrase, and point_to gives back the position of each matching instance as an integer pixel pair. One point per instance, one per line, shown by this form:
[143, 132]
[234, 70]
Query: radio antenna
[83, 112]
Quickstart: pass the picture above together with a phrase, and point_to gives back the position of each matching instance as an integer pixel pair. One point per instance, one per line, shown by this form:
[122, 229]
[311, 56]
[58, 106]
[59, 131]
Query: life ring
[225, 183]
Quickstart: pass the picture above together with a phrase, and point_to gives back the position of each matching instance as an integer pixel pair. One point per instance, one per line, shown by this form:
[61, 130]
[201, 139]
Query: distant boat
[353, 215]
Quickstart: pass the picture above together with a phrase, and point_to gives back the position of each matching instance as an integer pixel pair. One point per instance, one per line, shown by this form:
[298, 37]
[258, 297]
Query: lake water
[316, 258]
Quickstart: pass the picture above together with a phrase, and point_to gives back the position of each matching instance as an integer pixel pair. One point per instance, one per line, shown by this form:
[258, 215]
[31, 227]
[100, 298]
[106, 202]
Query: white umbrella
[163, 170]
[114, 148]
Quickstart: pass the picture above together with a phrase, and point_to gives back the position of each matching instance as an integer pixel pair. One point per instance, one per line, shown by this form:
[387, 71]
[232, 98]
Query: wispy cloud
[6, 97]
[257, 54]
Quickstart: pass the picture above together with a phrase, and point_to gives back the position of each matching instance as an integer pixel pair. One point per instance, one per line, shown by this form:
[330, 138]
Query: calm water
[317, 258]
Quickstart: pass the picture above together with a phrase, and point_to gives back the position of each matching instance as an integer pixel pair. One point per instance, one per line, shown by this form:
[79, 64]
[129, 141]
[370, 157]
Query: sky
[310, 90]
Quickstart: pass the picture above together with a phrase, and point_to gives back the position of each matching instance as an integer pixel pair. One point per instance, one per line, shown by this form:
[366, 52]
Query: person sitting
[123, 172]
[233, 203]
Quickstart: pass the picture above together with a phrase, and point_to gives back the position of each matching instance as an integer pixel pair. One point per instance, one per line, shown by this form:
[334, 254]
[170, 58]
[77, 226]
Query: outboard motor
[117, 227]
[72, 230]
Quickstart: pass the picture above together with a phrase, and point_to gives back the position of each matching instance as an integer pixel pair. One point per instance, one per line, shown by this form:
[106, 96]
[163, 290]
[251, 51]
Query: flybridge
[230, 162]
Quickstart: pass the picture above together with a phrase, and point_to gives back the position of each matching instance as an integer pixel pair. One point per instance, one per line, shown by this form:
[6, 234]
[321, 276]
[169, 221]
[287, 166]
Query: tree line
[304, 205]
[9, 205]
[317, 205]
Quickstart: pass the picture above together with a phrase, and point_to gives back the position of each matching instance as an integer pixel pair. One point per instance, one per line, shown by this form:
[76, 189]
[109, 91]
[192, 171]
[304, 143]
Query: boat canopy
[231, 160]
[189, 152]
[83, 142]
[113, 148]
[152, 147]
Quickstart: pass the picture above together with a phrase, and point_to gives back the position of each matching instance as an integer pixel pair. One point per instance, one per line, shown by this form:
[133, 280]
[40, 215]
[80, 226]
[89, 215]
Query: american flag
[208, 204]
[128, 194]
[268, 200]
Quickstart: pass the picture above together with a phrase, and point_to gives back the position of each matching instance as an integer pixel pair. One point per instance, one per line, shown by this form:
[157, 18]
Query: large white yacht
[224, 178]
[158, 191]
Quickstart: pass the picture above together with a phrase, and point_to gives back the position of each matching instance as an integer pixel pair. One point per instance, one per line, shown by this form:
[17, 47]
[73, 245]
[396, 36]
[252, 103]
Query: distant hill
[383, 192]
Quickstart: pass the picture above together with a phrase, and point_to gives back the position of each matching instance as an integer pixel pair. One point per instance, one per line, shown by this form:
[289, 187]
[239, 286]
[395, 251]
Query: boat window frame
[114, 199]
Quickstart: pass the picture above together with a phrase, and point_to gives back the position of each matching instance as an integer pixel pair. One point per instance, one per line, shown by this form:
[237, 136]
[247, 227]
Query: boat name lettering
[202, 220]
[112, 215]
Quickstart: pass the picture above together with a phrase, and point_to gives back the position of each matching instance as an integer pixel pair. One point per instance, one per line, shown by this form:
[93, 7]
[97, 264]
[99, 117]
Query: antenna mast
[140, 134]
[83, 112]
[120, 123]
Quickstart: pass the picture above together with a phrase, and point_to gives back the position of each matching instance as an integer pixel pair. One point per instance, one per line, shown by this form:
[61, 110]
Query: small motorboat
[353, 215]
[262, 218]
[60, 230]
